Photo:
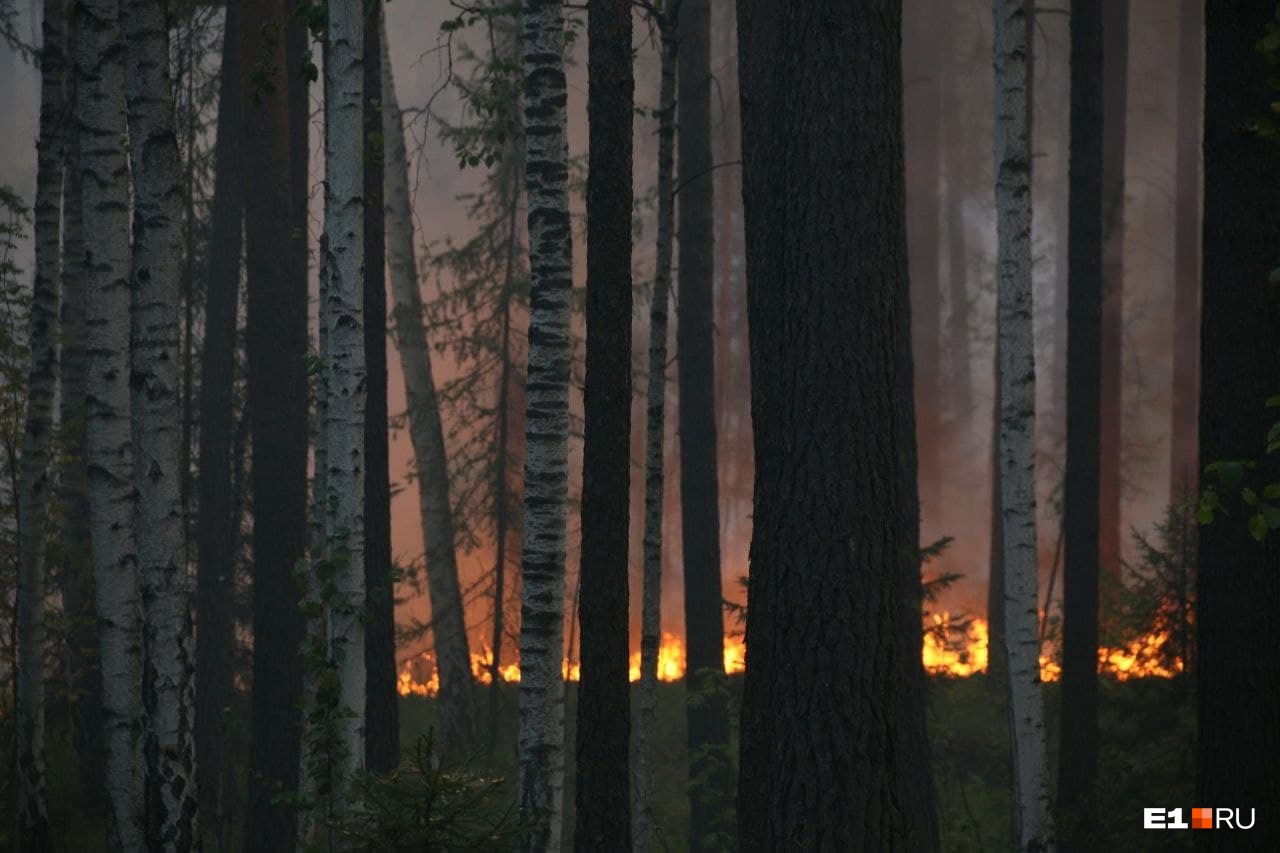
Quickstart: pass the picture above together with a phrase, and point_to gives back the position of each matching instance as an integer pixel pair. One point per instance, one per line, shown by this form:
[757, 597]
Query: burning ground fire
[951, 649]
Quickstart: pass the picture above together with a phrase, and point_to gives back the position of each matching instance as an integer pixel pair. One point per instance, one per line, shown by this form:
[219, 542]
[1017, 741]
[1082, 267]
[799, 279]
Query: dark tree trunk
[382, 709]
[834, 751]
[1238, 727]
[1115, 66]
[1183, 474]
[923, 135]
[997, 671]
[1078, 764]
[216, 536]
[276, 339]
[710, 773]
[604, 697]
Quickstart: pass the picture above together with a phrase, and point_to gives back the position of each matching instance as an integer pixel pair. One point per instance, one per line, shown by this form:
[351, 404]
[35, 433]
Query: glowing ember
[950, 649]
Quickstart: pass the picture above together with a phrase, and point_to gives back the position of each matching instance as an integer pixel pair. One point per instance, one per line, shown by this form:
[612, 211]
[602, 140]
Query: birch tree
[168, 678]
[426, 430]
[546, 471]
[33, 820]
[655, 432]
[100, 123]
[344, 379]
[1017, 424]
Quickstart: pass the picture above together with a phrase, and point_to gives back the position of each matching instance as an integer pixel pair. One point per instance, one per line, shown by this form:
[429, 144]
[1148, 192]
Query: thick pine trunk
[834, 752]
[426, 433]
[344, 373]
[155, 382]
[1078, 763]
[1017, 425]
[546, 472]
[382, 709]
[604, 695]
[216, 536]
[655, 436]
[276, 340]
[1184, 477]
[710, 768]
[100, 121]
[1237, 657]
[33, 496]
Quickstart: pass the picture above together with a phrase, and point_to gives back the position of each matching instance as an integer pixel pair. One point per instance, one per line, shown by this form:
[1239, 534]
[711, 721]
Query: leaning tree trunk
[1078, 762]
[168, 641]
[604, 696]
[344, 379]
[643, 827]
[215, 535]
[426, 432]
[710, 767]
[546, 470]
[1237, 658]
[100, 120]
[33, 819]
[1017, 424]
[834, 750]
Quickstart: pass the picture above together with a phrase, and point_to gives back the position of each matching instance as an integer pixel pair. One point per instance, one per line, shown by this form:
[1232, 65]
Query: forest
[651, 425]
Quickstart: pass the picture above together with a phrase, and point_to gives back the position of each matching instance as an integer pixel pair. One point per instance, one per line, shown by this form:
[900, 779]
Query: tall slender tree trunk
[1017, 425]
[100, 120]
[643, 827]
[216, 536]
[834, 751]
[33, 496]
[382, 739]
[604, 695]
[1237, 659]
[546, 471]
[76, 571]
[997, 663]
[276, 340]
[1183, 474]
[1115, 66]
[155, 385]
[710, 768]
[426, 433]
[345, 375]
[1078, 754]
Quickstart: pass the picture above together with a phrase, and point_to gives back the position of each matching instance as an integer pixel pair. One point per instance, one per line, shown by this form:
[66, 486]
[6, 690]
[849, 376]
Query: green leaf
[1271, 514]
[1249, 496]
[1272, 491]
[1258, 526]
[1274, 402]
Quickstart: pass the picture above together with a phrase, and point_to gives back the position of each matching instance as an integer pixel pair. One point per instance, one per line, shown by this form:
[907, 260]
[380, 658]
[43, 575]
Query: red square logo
[1202, 818]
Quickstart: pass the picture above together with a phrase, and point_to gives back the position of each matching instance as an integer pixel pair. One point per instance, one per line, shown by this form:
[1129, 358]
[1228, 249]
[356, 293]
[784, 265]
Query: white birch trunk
[344, 370]
[655, 433]
[1017, 424]
[100, 124]
[33, 490]
[168, 641]
[426, 431]
[546, 471]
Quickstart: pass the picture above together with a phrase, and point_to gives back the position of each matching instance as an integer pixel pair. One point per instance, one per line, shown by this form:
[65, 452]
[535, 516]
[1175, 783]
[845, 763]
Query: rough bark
[604, 695]
[1183, 474]
[33, 495]
[1017, 425]
[546, 471]
[382, 709]
[155, 386]
[426, 433]
[1078, 763]
[1115, 62]
[710, 770]
[344, 379]
[276, 340]
[643, 826]
[1238, 660]
[216, 537]
[834, 753]
[100, 121]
